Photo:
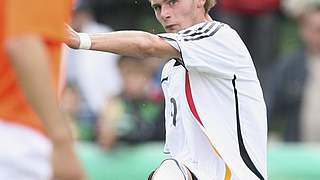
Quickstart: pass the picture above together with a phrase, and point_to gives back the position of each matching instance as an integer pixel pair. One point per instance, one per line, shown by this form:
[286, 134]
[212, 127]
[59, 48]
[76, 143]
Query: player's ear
[200, 3]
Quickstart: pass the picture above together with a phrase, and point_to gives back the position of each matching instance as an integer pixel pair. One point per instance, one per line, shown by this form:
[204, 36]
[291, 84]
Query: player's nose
[165, 13]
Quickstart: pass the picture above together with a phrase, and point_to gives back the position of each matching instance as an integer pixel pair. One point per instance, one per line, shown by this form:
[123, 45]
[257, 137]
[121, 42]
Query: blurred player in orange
[35, 140]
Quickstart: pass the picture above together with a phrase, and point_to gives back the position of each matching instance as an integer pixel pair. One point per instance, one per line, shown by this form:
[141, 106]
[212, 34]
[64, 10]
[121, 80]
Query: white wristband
[85, 41]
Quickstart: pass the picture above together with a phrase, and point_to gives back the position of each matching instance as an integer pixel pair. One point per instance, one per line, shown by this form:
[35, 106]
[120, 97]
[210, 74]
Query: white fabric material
[85, 41]
[170, 170]
[24, 153]
[213, 56]
[96, 73]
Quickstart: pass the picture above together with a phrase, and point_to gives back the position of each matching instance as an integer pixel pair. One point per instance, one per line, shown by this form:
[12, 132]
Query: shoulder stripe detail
[202, 32]
[187, 32]
[205, 35]
[243, 152]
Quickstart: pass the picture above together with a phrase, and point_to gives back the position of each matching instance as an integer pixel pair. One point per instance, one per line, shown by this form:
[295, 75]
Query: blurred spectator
[95, 74]
[294, 106]
[136, 114]
[70, 104]
[256, 21]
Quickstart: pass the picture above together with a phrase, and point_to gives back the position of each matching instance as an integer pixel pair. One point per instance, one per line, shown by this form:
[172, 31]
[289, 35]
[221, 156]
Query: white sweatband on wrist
[85, 41]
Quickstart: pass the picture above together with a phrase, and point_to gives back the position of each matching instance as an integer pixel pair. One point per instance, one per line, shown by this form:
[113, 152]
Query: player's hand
[65, 164]
[106, 136]
[72, 38]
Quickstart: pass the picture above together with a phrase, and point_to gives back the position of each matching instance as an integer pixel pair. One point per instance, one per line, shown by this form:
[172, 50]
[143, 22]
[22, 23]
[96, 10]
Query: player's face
[310, 29]
[175, 15]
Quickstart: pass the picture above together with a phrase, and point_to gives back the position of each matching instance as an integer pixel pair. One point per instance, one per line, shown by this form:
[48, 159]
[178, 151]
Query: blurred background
[116, 105]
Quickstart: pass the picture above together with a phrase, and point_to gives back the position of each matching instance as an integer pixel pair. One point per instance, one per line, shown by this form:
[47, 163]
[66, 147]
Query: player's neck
[205, 18]
[208, 18]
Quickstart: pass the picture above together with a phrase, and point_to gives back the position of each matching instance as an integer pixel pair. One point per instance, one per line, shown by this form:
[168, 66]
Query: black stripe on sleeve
[202, 32]
[243, 152]
[205, 35]
[187, 32]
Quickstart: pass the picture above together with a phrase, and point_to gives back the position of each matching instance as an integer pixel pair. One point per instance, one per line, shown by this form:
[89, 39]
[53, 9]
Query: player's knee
[170, 169]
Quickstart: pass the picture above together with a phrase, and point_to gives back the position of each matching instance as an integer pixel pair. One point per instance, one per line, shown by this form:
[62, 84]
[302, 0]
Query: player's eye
[172, 2]
[156, 8]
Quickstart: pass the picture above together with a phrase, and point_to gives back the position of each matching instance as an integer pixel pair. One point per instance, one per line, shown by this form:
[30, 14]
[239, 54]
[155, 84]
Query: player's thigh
[24, 154]
[170, 169]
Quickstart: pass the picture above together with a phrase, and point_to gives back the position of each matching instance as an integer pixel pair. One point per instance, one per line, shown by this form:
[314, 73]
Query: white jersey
[216, 120]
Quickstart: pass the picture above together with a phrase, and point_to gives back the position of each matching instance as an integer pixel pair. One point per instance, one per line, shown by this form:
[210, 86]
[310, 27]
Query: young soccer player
[31, 125]
[216, 125]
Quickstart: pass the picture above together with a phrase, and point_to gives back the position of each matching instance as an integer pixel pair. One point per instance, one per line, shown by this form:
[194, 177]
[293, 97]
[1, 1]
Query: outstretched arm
[129, 43]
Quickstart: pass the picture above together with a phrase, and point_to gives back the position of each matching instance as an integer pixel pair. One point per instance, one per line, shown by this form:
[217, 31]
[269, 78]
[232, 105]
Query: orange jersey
[19, 17]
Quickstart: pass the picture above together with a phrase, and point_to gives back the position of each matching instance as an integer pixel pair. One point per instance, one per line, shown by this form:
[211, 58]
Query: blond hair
[209, 4]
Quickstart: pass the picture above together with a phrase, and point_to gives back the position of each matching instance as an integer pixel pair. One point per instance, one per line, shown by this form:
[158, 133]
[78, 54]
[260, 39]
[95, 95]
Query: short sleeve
[43, 17]
[171, 38]
[213, 48]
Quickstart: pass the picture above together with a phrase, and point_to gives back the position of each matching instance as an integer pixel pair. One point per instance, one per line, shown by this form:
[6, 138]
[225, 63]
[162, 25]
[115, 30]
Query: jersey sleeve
[216, 49]
[42, 17]
[171, 38]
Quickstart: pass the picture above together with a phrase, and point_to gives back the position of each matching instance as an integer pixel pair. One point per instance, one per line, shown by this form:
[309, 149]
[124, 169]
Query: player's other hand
[72, 38]
[106, 137]
[65, 164]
